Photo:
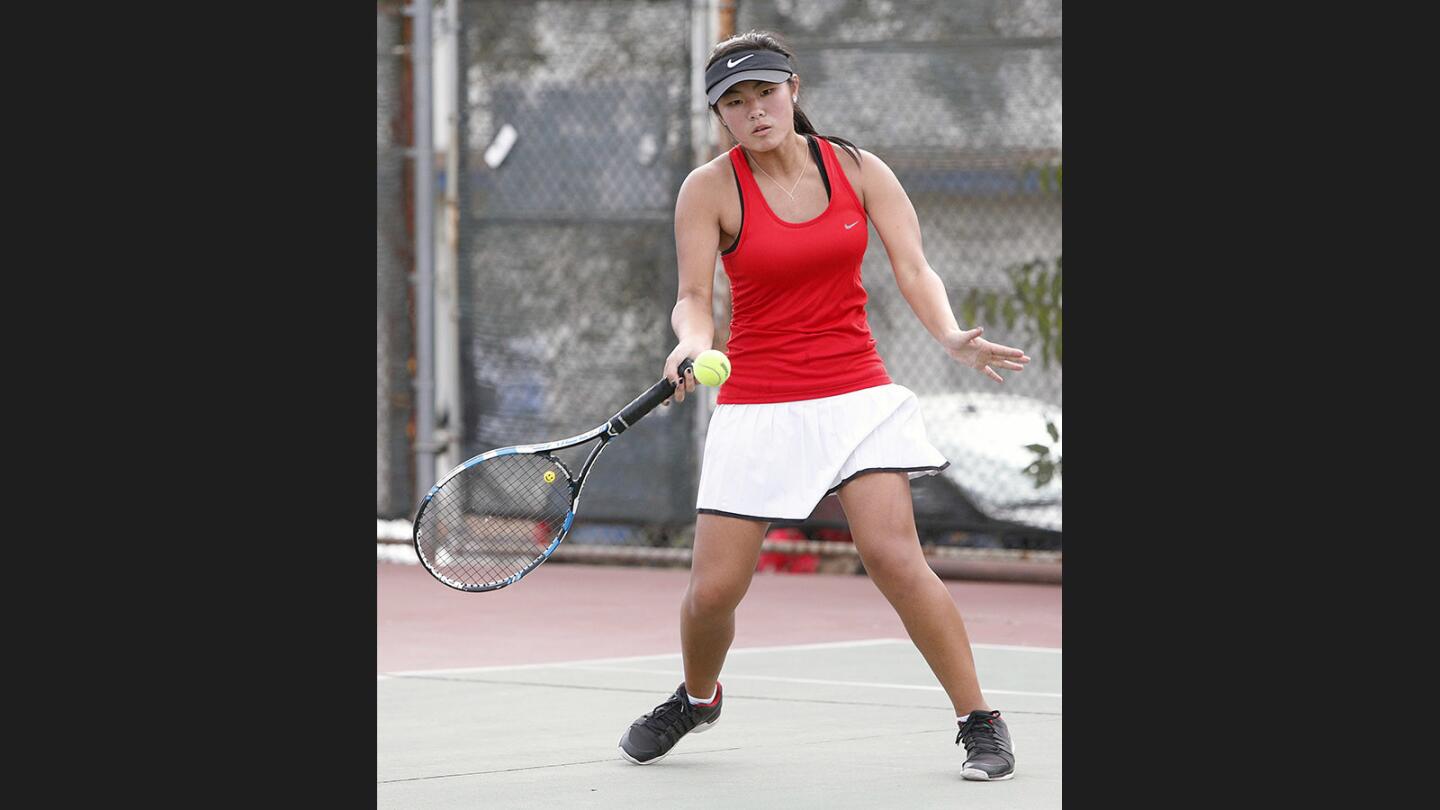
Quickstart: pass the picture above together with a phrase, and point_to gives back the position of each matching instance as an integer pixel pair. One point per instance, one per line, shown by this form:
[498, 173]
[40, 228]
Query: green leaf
[1052, 430]
[1031, 310]
[1032, 303]
[1038, 448]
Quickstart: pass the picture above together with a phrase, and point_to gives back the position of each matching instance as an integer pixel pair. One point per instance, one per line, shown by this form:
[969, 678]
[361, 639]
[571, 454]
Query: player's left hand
[969, 348]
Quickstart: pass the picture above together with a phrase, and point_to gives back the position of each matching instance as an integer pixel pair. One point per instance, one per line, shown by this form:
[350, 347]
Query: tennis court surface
[518, 698]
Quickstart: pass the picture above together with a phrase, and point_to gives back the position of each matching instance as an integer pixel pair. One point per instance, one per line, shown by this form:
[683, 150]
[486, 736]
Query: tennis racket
[496, 517]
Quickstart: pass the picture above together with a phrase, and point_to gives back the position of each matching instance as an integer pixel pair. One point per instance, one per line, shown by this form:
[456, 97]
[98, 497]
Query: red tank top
[797, 325]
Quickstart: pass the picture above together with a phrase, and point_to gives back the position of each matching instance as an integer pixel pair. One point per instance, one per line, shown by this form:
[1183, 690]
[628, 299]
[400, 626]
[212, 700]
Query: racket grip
[646, 402]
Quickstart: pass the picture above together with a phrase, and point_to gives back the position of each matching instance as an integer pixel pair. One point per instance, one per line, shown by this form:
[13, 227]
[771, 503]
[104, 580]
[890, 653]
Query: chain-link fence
[566, 252]
[394, 328]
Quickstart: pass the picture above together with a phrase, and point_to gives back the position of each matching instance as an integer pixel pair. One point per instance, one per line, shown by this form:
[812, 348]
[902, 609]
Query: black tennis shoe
[989, 755]
[651, 737]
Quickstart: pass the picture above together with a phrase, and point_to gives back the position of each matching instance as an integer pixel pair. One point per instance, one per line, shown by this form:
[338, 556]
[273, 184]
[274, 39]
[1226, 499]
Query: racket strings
[494, 520]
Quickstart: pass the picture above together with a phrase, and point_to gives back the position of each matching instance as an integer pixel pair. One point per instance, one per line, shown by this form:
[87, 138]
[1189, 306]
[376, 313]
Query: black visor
[745, 66]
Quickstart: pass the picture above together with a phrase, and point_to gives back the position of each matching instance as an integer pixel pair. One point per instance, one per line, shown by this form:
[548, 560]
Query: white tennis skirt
[775, 461]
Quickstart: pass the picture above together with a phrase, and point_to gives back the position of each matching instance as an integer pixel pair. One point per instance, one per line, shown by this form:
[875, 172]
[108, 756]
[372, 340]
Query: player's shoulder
[873, 173]
[713, 171]
[856, 168]
[709, 179]
[867, 158]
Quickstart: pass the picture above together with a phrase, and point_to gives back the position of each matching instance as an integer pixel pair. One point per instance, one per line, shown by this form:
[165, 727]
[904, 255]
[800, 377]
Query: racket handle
[646, 402]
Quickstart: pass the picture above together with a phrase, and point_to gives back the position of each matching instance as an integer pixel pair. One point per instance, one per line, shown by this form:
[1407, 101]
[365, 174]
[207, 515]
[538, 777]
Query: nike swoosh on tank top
[798, 328]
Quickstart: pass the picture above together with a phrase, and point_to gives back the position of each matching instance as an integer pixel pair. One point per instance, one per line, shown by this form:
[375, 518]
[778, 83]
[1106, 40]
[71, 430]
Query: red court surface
[569, 612]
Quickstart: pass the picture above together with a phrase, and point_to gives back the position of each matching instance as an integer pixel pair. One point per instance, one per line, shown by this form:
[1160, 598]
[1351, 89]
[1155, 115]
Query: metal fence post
[424, 166]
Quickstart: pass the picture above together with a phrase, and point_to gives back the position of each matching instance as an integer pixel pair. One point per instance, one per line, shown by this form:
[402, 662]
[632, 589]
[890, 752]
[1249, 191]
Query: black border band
[867, 470]
[738, 515]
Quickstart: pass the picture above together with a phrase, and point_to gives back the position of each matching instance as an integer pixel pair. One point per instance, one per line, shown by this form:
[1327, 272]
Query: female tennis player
[809, 408]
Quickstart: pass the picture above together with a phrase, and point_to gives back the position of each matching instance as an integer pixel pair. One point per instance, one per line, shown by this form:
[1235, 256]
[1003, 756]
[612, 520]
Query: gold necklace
[791, 192]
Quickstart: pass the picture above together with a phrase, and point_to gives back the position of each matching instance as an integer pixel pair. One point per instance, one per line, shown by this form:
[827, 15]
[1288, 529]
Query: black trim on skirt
[738, 515]
[859, 473]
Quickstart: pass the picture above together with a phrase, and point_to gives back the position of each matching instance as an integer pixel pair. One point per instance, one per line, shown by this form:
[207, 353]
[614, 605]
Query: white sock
[694, 700]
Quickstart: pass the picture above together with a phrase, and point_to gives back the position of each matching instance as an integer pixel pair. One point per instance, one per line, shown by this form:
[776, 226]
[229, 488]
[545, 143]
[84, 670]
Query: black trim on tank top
[741, 192]
[819, 161]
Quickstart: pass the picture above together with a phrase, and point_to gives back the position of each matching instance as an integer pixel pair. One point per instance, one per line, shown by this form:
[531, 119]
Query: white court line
[869, 642]
[1017, 648]
[1008, 647]
[731, 676]
[508, 667]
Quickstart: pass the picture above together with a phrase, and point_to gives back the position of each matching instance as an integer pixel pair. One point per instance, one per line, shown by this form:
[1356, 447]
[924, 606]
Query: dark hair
[770, 41]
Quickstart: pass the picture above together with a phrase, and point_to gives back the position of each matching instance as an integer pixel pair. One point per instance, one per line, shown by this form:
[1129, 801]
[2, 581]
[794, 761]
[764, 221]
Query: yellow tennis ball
[711, 368]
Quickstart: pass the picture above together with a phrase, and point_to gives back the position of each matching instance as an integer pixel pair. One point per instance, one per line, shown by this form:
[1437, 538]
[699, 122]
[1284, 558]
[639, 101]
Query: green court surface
[835, 725]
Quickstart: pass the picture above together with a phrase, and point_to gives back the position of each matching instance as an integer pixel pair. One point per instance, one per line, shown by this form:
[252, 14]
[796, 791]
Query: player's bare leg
[726, 551]
[882, 523]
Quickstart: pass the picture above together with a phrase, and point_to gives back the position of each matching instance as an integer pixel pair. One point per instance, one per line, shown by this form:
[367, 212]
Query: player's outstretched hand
[969, 348]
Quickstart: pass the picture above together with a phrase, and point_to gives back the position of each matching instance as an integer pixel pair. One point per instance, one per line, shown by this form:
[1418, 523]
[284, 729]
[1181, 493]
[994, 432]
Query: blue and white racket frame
[623, 420]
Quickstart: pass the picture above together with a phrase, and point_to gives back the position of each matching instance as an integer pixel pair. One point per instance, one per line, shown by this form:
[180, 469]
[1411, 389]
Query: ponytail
[804, 127]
